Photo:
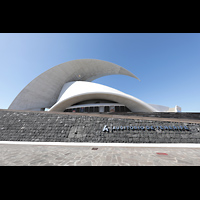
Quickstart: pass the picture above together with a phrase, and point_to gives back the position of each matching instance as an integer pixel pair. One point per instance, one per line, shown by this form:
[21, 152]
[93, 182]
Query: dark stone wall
[65, 127]
[177, 115]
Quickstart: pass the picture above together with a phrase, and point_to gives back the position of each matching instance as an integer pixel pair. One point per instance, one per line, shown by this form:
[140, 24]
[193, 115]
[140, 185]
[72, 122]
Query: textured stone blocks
[62, 127]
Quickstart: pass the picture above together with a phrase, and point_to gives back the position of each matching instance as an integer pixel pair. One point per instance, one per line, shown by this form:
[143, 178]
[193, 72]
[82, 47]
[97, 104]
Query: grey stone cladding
[62, 127]
[178, 115]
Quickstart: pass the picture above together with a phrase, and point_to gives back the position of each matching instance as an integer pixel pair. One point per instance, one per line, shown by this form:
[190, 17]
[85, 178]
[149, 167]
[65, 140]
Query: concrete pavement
[63, 154]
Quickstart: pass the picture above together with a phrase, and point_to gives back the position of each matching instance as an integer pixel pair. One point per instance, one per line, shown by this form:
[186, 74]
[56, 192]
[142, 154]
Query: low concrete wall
[66, 127]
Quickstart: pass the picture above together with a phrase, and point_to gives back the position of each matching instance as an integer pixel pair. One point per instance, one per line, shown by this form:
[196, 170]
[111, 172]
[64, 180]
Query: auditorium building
[68, 88]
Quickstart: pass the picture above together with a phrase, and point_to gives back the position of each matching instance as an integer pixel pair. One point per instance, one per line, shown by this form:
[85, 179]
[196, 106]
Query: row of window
[97, 109]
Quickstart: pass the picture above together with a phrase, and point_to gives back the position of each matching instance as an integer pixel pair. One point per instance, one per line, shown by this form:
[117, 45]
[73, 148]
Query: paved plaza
[66, 155]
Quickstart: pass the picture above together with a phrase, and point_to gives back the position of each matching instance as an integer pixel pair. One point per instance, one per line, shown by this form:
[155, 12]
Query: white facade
[67, 84]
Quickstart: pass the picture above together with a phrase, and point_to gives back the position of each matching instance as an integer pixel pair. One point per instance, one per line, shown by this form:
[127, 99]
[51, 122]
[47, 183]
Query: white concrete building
[68, 88]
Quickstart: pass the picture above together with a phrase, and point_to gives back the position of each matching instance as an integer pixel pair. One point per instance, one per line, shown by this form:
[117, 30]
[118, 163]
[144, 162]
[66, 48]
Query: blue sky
[168, 64]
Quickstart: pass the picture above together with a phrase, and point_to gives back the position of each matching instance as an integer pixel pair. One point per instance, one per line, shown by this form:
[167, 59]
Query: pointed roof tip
[128, 73]
[138, 79]
[135, 77]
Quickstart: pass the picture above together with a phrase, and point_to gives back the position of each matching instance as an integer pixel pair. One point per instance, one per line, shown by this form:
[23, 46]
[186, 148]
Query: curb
[73, 144]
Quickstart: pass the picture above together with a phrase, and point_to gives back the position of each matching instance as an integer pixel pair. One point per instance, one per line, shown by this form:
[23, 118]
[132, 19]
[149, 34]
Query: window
[116, 108]
[106, 108]
[121, 108]
[96, 109]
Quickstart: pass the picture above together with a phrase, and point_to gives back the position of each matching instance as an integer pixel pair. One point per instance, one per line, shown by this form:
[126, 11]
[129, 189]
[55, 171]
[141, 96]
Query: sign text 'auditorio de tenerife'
[107, 128]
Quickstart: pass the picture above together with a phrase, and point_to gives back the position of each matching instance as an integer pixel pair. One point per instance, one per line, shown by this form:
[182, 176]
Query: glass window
[116, 108]
[106, 108]
[96, 109]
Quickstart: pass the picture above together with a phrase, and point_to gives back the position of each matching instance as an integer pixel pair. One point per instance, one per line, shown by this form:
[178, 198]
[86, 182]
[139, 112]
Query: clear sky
[168, 64]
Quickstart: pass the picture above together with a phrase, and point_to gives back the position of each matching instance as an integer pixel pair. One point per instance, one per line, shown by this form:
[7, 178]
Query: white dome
[77, 91]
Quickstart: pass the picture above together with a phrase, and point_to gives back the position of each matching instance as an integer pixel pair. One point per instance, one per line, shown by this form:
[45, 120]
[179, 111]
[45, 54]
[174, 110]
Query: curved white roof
[43, 91]
[77, 91]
